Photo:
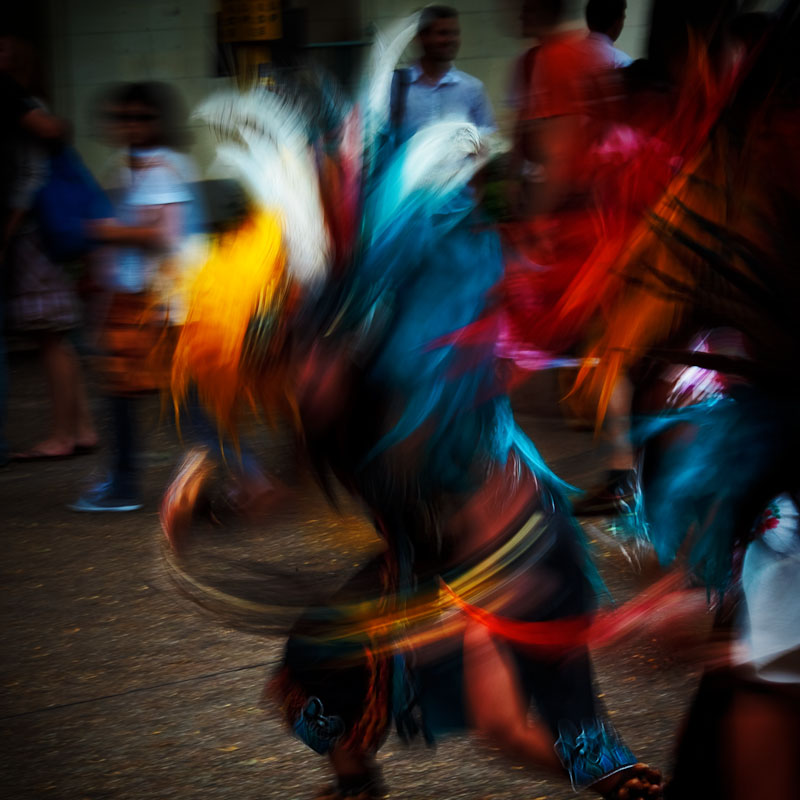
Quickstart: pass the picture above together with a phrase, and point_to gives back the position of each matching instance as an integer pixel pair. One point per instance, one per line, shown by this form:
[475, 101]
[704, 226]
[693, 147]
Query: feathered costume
[693, 231]
[718, 252]
[348, 307]
[720, 479]
[713, 249]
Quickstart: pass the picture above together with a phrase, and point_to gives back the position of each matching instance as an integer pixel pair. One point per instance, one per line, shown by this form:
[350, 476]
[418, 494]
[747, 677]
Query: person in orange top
[569, 134]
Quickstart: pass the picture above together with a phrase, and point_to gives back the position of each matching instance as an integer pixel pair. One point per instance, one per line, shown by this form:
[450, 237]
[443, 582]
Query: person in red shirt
[565, 129]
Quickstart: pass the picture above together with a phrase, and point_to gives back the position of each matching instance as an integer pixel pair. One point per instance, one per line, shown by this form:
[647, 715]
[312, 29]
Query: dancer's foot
[640, 782]
[614, 497]
[182, 494]
[367, 786]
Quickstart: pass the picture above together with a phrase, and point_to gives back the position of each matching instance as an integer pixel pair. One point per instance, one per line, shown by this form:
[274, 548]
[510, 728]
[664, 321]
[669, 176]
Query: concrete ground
[114, 686]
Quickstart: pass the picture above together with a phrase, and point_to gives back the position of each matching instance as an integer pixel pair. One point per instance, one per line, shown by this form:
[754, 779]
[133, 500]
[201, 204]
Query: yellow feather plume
[245, 272]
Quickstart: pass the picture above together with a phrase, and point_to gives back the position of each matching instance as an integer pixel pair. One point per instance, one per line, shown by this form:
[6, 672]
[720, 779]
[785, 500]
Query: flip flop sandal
[41, 455]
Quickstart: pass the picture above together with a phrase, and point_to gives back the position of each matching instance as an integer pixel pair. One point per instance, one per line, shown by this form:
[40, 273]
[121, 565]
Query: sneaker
[102, 498]
[614, 497]
[99, 488]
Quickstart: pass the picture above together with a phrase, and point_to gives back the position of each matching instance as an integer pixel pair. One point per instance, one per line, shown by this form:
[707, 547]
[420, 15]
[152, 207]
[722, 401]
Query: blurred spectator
[605, 20]
[155, 214]
[568, 81]
[433, 89]
[161, 231]
[523, 168]
[41, 299]
[566, 133]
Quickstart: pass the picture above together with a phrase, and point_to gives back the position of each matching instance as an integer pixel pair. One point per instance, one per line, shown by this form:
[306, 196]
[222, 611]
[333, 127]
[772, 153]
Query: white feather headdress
[264, 137]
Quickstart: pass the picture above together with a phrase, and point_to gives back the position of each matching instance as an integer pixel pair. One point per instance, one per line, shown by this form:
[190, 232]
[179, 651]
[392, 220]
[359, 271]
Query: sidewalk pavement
[117, 687]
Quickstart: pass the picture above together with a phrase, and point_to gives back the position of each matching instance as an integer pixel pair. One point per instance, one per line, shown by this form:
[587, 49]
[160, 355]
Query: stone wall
[94, 42]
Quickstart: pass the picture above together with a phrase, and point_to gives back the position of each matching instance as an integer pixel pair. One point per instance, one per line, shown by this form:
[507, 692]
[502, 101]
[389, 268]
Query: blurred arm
[43, 125]
[160, 229]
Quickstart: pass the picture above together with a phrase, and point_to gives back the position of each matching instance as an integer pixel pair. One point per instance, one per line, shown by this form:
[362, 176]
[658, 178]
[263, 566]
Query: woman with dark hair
[42, 303]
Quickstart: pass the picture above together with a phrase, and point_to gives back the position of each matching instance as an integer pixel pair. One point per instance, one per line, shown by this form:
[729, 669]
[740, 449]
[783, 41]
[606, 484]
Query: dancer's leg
[615, 495]
[358, 776]
[498, 710]
[496, 704]
[761, 751]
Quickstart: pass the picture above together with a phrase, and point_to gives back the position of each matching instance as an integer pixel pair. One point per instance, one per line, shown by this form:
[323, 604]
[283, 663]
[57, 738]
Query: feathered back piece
[265, 138]
[240, 298]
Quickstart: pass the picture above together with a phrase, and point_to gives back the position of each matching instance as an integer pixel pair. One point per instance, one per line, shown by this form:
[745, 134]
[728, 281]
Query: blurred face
[110, 126]
[441, 40]
[139, 125]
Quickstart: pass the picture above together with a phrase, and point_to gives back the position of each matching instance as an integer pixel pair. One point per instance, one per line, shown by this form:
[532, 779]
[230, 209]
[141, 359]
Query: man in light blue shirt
[433, 89]
[605, 19]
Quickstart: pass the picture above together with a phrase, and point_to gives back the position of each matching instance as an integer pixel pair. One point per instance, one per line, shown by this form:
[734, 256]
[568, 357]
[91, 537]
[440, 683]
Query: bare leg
[72, 422]
[496, 705]
[618, 424]
[615, 495]
[499, 711]
[59, 369]
[346, 762]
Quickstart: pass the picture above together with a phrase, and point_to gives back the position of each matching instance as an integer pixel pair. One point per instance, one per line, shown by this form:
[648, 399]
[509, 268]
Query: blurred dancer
[421, 431]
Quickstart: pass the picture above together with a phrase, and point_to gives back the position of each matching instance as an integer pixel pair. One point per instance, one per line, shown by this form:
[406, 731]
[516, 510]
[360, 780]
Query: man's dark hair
[601, 15]
[430, 14]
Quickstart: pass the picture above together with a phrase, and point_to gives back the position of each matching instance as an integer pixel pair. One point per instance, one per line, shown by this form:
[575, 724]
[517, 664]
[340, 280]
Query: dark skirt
[41, 296]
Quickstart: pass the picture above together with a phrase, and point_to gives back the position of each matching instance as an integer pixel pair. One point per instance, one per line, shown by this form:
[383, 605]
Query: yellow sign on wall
[250, 20]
